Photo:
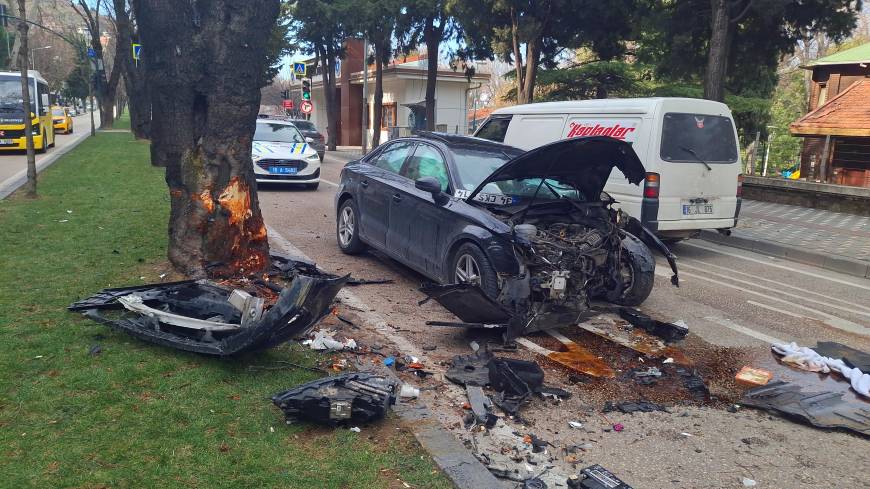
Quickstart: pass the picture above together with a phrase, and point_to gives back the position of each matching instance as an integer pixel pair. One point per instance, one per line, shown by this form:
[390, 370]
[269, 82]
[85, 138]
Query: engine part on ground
[348, 398]
[668, 332]
[596, 477]
[198, 316]
[628, 407]
[821, 409]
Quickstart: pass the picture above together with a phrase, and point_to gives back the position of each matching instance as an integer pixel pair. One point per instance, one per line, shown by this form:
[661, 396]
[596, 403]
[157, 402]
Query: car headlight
[313, 157]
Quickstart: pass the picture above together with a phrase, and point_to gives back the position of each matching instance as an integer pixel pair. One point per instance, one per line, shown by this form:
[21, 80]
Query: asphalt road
[735, 302]
[14, 162]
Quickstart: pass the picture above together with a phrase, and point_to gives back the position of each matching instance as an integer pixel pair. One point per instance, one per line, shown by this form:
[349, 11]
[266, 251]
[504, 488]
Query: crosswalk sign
[137, 50]
[299, 69]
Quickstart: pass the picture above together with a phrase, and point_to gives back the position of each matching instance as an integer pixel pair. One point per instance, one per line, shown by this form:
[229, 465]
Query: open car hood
[583, 162]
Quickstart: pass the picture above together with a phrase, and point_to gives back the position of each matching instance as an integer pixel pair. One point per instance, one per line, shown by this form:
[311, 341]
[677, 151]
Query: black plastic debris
[348, 398]
[205, 317]
[851, 357]
[820, 409]
[480, 403]
[693, 382]
[596, 477]
[469, 303]
[470, 369]
[534, 484]
[668, 332]
[629, 407]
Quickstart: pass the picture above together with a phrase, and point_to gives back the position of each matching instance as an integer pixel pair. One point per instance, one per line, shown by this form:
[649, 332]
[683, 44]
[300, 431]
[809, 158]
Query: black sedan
[309, 130]
[520, 239]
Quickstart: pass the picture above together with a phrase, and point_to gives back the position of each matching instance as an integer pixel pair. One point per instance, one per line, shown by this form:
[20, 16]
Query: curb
[13, 183]
[848, 266]
[452, 457]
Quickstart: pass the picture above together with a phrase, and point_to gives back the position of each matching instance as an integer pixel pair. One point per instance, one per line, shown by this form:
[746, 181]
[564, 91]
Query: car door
[377, 179]
[416, 219]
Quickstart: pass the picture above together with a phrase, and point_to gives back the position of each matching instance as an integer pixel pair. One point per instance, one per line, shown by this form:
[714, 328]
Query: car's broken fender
[637, 228]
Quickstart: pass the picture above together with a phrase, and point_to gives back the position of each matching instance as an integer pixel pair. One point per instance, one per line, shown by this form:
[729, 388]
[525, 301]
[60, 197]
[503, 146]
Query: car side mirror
[428, 184]
[309, 140]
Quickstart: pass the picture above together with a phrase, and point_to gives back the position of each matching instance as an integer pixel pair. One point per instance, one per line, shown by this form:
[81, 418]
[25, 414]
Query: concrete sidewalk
[831, 240]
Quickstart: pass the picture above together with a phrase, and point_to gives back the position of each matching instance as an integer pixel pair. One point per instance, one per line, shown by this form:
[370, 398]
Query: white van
[688, 147]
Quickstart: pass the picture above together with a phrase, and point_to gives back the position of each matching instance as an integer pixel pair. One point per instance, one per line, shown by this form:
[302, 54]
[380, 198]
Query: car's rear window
[690, 137]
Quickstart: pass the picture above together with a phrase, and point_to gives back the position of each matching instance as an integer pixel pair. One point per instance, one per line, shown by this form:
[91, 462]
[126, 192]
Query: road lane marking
[328, 182]
[778, 292]
[776, 265]
[833, 321]
[743, 329]
[780, 311]
[540, 350]
[781, 284]
[661, 273]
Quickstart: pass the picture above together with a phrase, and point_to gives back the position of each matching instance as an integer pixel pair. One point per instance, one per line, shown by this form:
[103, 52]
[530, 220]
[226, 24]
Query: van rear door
[699, 165]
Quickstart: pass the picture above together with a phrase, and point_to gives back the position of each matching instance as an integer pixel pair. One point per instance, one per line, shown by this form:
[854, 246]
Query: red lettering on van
[578, 129]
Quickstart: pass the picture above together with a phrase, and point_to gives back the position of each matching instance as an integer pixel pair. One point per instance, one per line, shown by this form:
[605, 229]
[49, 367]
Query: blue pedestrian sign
[91, 53]
[299, 69]
[137, 51]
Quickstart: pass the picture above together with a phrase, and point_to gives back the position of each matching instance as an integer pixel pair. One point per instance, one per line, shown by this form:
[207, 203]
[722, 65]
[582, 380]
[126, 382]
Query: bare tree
[23, 27]
[105, 86]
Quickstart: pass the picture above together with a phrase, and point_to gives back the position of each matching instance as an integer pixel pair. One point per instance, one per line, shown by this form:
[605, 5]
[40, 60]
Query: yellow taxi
[61, 120]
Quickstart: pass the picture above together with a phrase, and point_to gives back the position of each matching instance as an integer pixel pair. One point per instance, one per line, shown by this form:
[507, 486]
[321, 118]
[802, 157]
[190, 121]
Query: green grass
[139, 415]
[122, 121]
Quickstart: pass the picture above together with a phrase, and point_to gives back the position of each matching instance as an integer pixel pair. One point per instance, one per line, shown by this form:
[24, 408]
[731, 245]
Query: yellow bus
[12, 112]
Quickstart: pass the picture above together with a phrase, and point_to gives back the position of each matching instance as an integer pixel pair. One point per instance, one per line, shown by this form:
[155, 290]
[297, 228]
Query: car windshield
[277, 133]
[304, 126]
[474, 164]
[57, 112]
[698, 138]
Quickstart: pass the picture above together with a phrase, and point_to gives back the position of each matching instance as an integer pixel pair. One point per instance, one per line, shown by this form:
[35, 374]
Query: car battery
[596, 477]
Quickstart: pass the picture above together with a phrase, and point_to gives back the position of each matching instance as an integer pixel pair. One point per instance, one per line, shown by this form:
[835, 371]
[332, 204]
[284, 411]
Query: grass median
[137, 415]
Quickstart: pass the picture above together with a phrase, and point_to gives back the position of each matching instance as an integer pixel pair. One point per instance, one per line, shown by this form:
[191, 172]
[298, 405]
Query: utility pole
[30, 186]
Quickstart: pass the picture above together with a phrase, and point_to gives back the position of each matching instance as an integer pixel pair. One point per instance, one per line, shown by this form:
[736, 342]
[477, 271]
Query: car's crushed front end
[569, 252]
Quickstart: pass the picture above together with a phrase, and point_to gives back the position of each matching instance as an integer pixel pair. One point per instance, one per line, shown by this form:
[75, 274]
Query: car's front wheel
[471, 266]
[347, 228]
[637, 274]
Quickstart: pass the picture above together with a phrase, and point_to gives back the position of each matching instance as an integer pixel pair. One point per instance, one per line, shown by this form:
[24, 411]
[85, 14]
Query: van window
[494, 129]
[690, 137]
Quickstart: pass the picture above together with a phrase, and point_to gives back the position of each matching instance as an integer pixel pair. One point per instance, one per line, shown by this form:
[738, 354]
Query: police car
[282, 154]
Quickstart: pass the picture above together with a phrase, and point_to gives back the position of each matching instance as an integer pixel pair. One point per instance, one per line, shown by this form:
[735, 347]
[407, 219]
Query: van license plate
[697, 209]
[6, 142]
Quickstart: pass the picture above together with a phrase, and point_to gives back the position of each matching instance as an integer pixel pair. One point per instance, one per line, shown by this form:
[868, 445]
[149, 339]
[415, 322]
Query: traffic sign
[306, 107]
[299, 69]
[92, 53]
[287, 104]
[137, 51]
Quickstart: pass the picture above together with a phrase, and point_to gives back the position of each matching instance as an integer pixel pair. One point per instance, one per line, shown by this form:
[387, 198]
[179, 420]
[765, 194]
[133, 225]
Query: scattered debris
[356, 429]
[364, 281]
[515, 381]
[596, 477]
[534, 483]
[95, 350]
[747, 482]
[668, 360]
[323, 340]
[575, 424]
[480, 403]
[409, 391]
[354, 397]
[753, 376]
[628, 407]
[807, 359]
[669, 332]
[820, 409]
[197, 315]
[851, 357]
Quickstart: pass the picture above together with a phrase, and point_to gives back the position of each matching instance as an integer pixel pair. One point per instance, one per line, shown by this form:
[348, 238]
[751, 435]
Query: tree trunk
[23, 64]
[206, 63]
[432, 37]
[134, 75]
[528, 89]
[378, 105]
[717, 57]
[518, 57]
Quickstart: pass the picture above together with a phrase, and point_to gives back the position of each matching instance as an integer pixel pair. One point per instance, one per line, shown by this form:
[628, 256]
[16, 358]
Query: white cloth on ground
[808, 359]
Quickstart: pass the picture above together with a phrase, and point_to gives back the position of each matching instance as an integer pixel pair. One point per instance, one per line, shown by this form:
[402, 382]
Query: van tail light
[740, 185]
[651, 186]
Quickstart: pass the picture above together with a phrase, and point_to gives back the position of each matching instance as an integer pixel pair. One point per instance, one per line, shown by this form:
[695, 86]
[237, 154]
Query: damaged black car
[511, 238]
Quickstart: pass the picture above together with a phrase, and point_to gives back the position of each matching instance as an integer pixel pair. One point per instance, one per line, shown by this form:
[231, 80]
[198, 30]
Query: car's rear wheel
[471, 266]
[347, 228]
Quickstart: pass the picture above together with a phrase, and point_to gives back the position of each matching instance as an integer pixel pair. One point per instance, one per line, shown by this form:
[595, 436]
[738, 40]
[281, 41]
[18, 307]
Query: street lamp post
[33, 57]
[770, 134]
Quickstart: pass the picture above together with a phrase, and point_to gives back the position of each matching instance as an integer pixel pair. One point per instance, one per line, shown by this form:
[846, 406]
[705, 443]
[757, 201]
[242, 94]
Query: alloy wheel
[467, 270]
[346, 226]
